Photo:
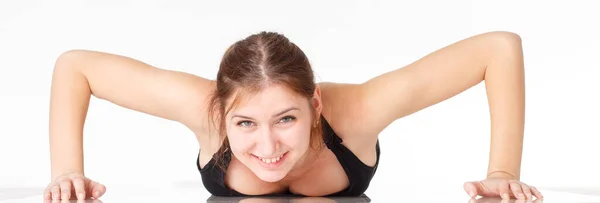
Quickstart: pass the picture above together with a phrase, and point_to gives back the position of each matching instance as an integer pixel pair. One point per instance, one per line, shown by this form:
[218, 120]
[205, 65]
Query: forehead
[271, 97]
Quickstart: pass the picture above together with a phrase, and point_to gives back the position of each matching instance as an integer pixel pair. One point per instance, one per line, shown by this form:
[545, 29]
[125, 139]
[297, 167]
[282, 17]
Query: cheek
[239, 141]
[296, 137]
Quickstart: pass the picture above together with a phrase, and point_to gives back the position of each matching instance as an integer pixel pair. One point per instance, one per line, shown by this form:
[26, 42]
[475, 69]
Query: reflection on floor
[359, 199]
[577, 190]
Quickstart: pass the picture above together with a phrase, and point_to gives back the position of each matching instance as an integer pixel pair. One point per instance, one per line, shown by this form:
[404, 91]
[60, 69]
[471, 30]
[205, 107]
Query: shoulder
[347, 111]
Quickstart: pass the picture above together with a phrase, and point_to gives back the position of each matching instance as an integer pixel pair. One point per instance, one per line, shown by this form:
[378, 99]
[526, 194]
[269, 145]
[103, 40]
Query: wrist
[501, 174]
[66, 173]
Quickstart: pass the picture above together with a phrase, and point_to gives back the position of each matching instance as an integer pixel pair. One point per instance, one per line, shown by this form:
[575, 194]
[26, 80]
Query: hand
[71, 186]
[503, 187]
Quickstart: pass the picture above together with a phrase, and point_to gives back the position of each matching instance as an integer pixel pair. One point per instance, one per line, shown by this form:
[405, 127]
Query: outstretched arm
[494, 57]
[129, 83]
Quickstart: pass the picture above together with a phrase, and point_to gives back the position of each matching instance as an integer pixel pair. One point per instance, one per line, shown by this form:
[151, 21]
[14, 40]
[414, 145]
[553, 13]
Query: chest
[325, 177]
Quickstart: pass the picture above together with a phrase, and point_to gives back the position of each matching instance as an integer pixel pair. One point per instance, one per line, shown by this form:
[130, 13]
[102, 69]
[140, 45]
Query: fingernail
[505, 196]
[97, 194]
[80, 196]
[472, 194]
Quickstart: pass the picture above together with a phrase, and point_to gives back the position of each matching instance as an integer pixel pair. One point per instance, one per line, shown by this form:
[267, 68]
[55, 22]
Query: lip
[270, 165]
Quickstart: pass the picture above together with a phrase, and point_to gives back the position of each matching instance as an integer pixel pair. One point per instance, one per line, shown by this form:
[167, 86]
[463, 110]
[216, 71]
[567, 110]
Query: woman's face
[270, 131]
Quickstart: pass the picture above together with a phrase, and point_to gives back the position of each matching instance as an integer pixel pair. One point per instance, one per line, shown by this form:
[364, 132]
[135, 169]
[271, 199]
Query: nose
[267, 143]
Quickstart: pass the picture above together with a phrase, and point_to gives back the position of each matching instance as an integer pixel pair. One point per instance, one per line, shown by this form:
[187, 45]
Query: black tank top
[359, 174]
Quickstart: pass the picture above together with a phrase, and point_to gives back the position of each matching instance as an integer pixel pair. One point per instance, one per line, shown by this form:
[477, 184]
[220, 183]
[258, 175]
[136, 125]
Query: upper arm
[135, 85]
[431, 79]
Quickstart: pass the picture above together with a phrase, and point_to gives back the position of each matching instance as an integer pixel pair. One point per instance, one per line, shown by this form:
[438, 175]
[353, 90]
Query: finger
[526, 190]
[503, 189]
[55, 190]
[79, 186]
[48, 192]
[471, 189]
[65, 189]
[516, 189]
[536, 192]
[49, 201]
[97, 189]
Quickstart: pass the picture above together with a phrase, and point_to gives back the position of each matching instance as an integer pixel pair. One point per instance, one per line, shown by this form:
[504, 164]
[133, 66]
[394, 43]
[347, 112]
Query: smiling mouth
[270, 162]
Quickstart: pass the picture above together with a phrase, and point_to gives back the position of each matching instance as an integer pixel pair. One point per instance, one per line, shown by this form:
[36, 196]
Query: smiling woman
[269, 137]
[266, 128]
[266, 111]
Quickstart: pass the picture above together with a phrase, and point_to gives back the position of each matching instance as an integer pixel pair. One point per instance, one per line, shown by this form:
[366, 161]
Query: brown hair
[259, 60]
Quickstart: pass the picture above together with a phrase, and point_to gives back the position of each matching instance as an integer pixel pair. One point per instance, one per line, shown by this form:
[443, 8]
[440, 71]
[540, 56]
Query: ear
[316, 101]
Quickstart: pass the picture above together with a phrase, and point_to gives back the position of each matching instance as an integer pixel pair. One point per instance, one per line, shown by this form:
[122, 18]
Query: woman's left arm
[494, 57]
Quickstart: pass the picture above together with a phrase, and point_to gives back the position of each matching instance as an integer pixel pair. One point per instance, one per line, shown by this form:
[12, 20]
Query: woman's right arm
[124, 81]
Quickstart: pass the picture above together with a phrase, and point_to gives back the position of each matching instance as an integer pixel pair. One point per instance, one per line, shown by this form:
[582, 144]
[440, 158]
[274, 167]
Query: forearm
[504, 80]
[69, 100]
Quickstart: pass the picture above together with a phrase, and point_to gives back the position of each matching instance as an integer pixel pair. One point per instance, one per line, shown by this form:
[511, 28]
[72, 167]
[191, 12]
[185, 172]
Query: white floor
[174, 193]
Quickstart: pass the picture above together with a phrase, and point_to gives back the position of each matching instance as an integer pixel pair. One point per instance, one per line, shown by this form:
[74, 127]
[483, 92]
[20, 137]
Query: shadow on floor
[18, 193]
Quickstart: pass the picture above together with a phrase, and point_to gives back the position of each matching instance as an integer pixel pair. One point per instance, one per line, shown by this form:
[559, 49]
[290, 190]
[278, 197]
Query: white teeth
[272, 160]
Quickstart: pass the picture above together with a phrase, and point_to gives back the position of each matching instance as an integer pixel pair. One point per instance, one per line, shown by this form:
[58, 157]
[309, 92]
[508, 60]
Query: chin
[269, 176]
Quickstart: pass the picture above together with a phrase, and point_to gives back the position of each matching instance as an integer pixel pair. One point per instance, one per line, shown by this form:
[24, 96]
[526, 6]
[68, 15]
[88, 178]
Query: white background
[347, 41]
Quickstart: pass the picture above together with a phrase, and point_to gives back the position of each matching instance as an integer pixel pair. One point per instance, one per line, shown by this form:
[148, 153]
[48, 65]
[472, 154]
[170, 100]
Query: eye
[287, 119]
[244, 123]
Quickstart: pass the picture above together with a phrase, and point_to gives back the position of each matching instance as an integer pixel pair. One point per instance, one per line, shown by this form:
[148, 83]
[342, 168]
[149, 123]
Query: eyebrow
[278, 114]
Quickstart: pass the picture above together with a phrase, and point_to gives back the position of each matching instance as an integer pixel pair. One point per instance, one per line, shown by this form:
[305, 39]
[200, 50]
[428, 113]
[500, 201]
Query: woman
[265, 127]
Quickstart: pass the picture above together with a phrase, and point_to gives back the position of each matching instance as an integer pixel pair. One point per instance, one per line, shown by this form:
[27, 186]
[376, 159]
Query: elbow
[67, 61]
[68, 57]
[503, 43]
[506, 35]
[505, 39]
